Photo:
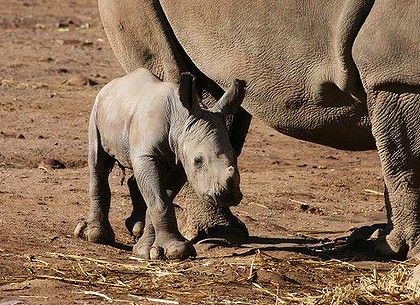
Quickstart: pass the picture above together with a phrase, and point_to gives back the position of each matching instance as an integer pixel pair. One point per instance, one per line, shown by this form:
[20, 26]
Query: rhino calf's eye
[198, 161]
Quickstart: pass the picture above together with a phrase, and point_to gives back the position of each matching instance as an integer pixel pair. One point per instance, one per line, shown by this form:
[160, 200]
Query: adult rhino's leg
[96, 228]
[395, 116]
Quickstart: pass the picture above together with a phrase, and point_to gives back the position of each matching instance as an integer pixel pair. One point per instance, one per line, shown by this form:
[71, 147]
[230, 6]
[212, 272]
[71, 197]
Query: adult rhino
[341, 73]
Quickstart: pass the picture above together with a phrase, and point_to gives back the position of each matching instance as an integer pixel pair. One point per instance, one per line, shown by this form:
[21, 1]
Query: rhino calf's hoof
[172, 250]
[156, 253]
[94, 233]
[180, 250]
[135, 227]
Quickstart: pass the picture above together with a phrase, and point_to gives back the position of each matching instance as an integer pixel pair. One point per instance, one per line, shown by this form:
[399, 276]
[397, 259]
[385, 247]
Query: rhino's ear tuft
[230, 101]
[187, 92]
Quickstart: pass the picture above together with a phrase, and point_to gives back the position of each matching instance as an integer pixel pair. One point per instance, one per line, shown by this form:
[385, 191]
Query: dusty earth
[299, 197]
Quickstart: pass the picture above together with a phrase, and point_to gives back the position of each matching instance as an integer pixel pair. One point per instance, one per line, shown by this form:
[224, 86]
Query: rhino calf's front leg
[168, 243]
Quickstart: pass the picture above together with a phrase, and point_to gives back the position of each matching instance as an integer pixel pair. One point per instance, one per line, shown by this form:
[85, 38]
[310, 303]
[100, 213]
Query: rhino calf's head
[204, 147]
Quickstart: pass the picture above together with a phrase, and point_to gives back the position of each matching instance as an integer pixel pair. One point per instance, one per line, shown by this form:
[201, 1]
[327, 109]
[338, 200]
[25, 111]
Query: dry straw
[229, 280]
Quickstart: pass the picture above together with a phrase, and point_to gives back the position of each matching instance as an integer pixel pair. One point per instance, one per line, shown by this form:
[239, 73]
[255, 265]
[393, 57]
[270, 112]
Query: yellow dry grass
[230, 280]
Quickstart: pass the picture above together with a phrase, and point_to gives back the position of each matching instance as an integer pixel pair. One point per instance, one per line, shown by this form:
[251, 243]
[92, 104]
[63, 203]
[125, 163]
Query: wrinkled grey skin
[343, 73]
[165, 137]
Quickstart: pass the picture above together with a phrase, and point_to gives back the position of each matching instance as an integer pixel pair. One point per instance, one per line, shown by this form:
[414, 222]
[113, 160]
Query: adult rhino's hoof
[389, 247]
[96, 233]
[392, 244]
[198, 220]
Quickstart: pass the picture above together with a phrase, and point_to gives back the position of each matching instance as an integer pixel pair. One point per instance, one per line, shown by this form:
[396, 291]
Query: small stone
[304, 207]
[62, 70]
[87, 43]
[50, 163]
[80, 81]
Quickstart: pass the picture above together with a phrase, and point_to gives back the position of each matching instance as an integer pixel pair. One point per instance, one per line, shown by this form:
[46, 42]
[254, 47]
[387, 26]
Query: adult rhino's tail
[352, 17]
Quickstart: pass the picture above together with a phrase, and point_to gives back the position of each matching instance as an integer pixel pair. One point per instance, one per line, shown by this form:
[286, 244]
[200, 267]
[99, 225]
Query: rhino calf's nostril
[209, 199]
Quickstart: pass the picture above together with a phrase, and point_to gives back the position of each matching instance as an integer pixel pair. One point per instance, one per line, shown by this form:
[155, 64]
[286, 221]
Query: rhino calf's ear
[187, 91]
[230, 101]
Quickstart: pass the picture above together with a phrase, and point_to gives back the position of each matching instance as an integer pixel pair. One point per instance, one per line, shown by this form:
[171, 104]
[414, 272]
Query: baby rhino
[162, 133]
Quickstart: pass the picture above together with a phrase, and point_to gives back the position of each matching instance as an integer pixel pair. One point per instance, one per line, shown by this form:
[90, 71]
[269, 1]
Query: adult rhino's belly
[341, 123]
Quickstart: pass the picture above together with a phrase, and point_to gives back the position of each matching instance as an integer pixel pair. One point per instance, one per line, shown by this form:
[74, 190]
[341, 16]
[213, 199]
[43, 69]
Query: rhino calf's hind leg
[135, 224]
[395, 117]
[96, 228]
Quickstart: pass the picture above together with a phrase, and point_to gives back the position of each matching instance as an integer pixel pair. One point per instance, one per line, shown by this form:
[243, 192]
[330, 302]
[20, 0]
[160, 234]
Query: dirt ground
[298, 197]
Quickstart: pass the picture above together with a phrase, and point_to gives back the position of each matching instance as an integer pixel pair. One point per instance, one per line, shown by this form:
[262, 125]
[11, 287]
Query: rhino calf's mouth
[225, 198]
